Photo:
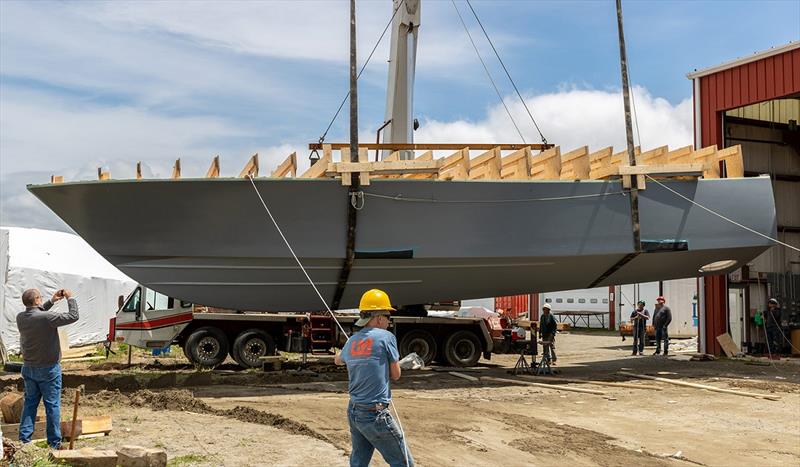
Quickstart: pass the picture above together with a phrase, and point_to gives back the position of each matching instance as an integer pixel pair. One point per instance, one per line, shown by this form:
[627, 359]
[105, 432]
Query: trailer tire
[250, 345]
[462, 349]
[419, 341]
[207, 347]
[188, 354]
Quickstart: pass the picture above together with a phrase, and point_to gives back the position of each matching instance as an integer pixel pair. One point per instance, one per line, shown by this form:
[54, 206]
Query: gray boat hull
[210, 241]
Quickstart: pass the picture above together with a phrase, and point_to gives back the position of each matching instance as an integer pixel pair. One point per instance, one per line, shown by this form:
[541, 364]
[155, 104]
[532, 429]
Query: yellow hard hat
[375, 300]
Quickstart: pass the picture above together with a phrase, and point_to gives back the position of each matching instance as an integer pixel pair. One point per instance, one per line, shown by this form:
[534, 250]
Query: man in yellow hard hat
[372, 358]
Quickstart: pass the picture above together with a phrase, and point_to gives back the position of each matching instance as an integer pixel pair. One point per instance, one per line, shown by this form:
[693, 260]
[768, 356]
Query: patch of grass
[41, 444]
[15, 357]
[188, 459]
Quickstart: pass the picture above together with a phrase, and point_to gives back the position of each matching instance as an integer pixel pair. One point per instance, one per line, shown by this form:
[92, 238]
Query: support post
[352, 213]
[623, 61]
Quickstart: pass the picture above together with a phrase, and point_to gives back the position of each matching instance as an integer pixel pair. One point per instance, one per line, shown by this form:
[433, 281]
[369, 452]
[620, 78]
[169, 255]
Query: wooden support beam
[56, 179]
[455, 166]
[213, 170]
[425, 156]
[664, 169]
[575, 164]
[599, 160]
[103, 175]
[251, 168]
[680, 155]
[546, 165]
[435, 146]
[176, 169]
[486, 166]
[707, 157]
[617, 159]
[732, 159]
[288, 166]
[319, 168]
[517, 165]
[653, 156]
[139, 170]
[703, 386]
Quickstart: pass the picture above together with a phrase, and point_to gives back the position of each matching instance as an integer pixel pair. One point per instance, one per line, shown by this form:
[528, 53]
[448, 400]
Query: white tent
[48, 261]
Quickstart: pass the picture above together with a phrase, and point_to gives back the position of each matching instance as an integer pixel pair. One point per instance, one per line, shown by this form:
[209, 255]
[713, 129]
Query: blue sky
[88, 84]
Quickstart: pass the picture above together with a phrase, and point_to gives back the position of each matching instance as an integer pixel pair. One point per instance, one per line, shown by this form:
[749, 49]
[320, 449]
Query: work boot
[658, 352]
[641, 354]
[666, 353]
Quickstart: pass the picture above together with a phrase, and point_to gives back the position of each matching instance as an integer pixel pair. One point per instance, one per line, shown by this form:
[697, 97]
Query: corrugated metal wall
[514, 305]
[769, 78]
[777, 111]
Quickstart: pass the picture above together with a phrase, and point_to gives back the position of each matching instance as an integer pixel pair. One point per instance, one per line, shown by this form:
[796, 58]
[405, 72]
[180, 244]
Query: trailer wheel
[462, 348]
[250, 346]
[188, 354]
[207, 347]
[421, 342]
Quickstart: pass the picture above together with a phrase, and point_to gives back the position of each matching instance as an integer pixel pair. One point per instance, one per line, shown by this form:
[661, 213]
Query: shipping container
[515, 306]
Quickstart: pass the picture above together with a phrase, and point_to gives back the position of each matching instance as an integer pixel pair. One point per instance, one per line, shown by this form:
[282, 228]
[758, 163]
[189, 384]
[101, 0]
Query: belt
[370, 407]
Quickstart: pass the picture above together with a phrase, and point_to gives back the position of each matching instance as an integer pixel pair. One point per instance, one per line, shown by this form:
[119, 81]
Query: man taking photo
[41, 354]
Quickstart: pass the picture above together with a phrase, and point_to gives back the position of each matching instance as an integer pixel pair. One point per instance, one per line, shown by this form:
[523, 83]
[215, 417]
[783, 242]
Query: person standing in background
[639, 318]
[662, 316]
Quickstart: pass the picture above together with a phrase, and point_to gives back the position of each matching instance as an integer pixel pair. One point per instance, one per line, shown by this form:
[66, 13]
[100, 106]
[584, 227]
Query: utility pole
[634, 192]
[352, 193]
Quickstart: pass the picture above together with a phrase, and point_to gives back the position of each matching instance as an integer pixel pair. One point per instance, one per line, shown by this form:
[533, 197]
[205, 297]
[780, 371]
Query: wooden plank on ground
[728, 346]
[614, 384]
[555, 387]
[87, 426]
[463, 376]
[703, 386]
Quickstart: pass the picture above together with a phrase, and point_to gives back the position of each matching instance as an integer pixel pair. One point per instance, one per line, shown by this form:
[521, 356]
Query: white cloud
[572, 118]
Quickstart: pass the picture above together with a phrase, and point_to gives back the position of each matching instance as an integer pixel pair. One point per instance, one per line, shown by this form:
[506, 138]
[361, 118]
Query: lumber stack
[495, 162]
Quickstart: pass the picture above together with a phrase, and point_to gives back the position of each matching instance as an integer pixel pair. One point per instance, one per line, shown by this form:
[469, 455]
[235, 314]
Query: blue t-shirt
[368, 354]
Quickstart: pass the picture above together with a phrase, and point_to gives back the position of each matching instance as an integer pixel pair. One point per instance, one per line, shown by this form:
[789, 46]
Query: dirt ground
[252, 418]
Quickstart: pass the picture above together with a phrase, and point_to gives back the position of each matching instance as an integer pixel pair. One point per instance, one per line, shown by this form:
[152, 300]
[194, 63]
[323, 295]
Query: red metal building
[726, 114]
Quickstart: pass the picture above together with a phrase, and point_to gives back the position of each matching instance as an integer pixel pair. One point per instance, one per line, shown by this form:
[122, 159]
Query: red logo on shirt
[361, 348]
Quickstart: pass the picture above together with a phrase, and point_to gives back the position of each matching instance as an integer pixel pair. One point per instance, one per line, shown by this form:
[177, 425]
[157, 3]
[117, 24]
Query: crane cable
[488, 74]
[497, 54]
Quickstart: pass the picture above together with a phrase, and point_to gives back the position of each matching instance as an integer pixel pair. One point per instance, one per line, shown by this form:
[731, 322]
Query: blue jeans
[662, 333]
[42, 383]
[370, 430]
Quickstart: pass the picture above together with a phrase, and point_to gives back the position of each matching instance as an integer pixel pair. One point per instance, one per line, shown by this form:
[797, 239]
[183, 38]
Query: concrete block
[85, 457]
[137, 456]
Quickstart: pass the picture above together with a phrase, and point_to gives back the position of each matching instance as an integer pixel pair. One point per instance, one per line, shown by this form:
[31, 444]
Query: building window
[581, 300]
[570, 300]
[559, 300]
[605, 300]
[593, 300]
[548, 300]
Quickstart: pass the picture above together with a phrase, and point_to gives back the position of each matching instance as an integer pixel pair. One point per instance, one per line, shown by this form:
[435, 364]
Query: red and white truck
[149, 319]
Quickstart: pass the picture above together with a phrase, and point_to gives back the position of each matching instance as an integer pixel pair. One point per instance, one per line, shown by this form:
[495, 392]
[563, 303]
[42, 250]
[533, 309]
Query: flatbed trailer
[148, 319]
